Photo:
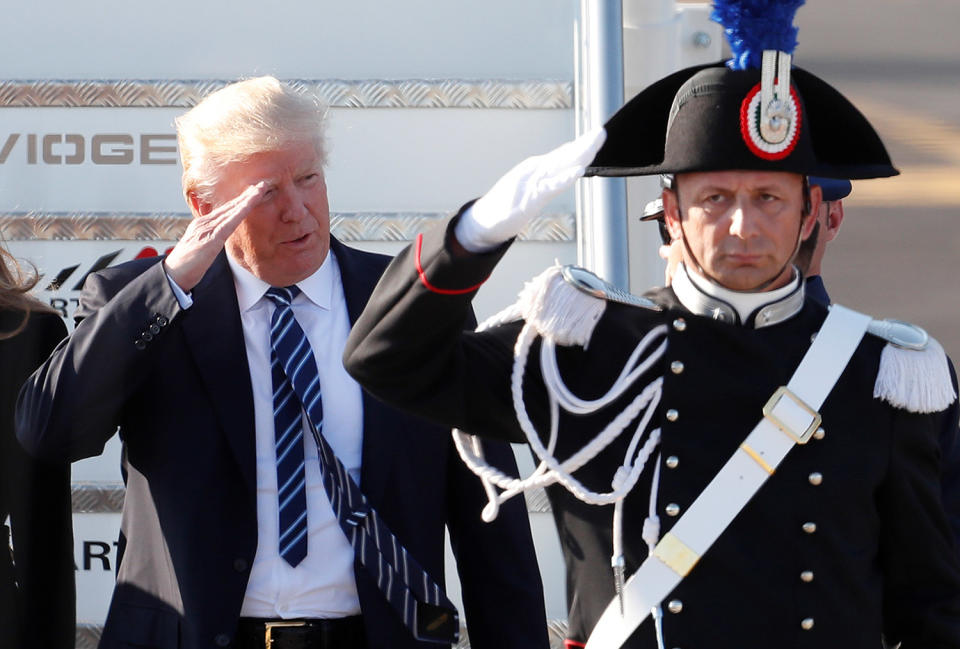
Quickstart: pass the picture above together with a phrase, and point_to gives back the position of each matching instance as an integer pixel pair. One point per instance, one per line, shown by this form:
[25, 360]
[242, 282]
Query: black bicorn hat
[769, 116]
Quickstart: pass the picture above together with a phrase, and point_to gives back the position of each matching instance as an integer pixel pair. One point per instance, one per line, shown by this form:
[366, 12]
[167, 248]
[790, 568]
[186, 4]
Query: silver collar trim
[702, 303]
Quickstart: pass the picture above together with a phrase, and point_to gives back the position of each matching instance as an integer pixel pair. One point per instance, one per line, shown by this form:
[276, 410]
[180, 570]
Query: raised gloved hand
[520, 195]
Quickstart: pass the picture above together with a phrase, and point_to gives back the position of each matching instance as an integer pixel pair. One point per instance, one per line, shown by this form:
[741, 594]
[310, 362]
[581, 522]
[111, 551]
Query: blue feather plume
[756, 25]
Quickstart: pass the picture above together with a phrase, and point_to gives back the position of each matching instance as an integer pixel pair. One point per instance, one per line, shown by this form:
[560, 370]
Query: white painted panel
[95, 556]
[186, 39]
[101, 468]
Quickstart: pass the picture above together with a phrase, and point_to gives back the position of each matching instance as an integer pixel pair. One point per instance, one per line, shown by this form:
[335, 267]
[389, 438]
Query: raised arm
[72, 404]
[408, 348]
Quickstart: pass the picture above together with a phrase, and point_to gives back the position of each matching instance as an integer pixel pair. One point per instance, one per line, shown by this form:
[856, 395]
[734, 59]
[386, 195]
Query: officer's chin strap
[551, 470]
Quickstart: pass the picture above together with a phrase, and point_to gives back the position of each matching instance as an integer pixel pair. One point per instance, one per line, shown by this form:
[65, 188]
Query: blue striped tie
[288, 429]
[422, 605]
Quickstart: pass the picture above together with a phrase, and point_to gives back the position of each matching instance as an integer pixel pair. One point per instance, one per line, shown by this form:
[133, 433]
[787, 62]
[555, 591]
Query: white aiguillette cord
[789, 418]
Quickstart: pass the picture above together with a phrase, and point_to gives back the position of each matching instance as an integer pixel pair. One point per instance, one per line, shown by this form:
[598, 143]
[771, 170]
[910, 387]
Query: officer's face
[742, 227]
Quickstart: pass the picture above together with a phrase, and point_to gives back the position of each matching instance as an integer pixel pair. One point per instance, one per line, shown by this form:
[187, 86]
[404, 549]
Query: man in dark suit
[184, 357]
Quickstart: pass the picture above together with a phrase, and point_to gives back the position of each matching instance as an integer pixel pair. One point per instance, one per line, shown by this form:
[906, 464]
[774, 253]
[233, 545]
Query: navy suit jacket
[177, 384]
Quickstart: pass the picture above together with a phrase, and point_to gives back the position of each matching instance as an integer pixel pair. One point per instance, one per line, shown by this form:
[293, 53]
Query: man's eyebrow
[713, 189]
[771, 188]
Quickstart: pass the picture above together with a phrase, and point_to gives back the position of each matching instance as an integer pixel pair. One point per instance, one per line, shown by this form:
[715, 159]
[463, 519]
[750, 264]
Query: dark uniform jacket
[37, 580]
[177, 384]
[860, 550]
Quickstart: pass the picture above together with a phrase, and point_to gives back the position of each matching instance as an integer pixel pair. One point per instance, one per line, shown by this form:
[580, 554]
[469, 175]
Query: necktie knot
[283, 295]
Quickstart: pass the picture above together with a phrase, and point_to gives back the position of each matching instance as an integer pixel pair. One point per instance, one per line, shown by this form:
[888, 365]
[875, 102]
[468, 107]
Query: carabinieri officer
[729, 463]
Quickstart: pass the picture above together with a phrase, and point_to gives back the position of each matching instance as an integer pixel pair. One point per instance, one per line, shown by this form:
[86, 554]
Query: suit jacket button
[240, 565]
[140, 344]
[161, 320]
[154, 329]
[222, 639]
[147, 336]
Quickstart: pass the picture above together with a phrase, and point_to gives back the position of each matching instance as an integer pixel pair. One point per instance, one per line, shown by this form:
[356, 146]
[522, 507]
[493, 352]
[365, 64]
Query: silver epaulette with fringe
[565, 303]
[914, 372]
[589, 283]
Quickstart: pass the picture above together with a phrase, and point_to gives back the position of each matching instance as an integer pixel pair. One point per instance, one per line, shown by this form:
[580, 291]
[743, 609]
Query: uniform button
[154, 328]
[674, 606]
[222, 639]
[806, 576]
[815, 478]
[146, 335]
[672, 462]
[806, 624]
[680, 324]
[240, 565]
[676, 367]
[672, 509]
[140, 344]
[809, 528]
[820, 433]
[161, 320]
[672, 415]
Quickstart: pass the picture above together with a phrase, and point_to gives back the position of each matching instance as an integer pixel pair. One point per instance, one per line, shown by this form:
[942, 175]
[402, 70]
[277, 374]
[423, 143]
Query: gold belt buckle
[803, 437]
[270, 626]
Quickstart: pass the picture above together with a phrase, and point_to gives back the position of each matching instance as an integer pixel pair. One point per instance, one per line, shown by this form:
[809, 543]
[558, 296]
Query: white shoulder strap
[790, 417]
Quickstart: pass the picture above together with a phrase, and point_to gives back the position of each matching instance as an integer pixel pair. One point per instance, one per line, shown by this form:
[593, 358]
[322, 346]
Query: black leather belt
[333, 633]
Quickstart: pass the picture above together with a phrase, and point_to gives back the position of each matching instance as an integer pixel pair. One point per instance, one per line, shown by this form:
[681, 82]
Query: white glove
[515, 199]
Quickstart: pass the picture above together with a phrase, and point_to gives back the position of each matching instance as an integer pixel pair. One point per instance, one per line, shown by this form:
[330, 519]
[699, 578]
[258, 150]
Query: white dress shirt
[322, 585]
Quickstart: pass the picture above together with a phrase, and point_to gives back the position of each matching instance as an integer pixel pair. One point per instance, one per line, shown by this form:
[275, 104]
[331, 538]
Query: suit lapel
[359, 273]
[215, 337]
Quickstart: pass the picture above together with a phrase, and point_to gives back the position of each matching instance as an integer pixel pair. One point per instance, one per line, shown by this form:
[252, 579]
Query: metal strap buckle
[801, 438]
[270, 626]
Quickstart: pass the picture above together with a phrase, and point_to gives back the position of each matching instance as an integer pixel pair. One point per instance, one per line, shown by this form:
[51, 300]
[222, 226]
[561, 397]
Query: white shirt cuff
[185, 300]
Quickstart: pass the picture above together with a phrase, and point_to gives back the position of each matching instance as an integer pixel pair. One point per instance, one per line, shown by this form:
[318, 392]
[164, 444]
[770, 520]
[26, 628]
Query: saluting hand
[524, 191]
[205, 237]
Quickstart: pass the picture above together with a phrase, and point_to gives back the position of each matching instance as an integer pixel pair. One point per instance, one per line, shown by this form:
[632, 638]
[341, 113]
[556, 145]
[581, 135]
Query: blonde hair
[15, 287]
[244, 118]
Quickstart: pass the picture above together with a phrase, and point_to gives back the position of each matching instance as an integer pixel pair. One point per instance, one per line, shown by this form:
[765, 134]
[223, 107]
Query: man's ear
[834, 220]
[198, 206]
[810, 219]
[671, 213]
